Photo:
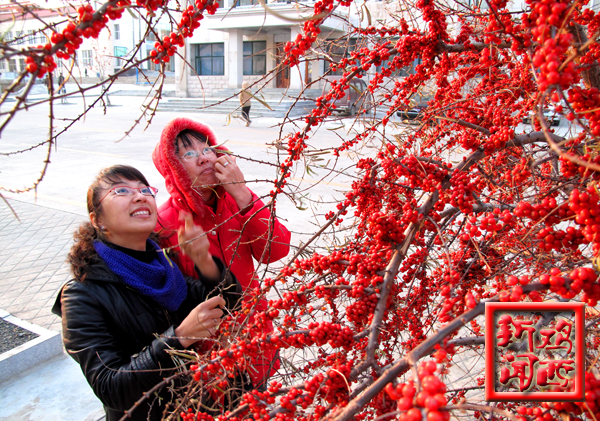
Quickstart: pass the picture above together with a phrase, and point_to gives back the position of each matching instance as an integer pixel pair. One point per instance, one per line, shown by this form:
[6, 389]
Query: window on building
[41, 37]
[386, 64]
[87, 58]
[12, 65]
[337, 50]
[255, 57]
[22, 64]
[210, 59]
[30, 36]
[8, 37]
[246, 2]
[169, 67]
[403, 72]
[20, 37]
[120, 52]
[117, 31]
[410, 70]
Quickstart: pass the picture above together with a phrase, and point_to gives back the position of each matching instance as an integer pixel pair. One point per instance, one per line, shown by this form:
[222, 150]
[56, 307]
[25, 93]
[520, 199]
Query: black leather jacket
[119, 337]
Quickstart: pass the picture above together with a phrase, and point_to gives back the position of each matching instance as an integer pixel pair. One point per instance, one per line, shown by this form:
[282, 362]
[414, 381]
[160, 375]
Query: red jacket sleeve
[167, 226]
[268, 238]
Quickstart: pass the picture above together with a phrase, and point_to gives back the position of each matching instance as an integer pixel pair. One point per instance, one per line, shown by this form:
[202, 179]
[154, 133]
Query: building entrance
[283, 75]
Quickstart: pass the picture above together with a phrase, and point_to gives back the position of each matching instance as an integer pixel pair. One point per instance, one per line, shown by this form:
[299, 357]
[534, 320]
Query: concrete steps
[225, 101]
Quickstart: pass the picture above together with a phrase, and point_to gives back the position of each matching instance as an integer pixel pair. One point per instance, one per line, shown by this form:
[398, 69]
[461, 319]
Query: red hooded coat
[234, 238]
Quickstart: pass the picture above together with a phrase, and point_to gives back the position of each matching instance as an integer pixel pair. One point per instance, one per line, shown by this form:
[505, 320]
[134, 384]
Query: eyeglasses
[193, 155]
[128, 191]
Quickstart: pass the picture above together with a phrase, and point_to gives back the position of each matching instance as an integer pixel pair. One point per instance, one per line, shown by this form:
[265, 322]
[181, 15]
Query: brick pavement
[33, 260]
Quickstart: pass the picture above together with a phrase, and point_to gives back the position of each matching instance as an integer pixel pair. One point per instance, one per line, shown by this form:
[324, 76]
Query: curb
[47, 345]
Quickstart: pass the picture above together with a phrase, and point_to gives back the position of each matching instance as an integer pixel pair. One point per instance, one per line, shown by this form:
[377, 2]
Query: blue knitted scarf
[158, 280]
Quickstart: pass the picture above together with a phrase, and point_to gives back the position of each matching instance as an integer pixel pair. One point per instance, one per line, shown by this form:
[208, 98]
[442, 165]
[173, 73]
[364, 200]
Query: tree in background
[379, 314]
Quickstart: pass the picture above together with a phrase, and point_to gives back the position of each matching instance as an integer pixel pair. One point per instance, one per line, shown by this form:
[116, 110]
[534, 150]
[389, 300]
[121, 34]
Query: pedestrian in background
[246, 102]
[61, 88]
[48, 84]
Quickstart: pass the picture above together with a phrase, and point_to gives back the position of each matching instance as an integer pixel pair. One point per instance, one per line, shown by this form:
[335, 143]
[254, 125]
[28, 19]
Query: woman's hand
[202, 322]
[232, 179]
[197, 250]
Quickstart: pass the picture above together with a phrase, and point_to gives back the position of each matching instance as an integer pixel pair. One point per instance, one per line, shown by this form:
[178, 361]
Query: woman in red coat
[207, 183]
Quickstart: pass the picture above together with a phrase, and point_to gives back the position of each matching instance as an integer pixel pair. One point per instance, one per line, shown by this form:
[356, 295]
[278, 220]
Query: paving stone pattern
[33, 256]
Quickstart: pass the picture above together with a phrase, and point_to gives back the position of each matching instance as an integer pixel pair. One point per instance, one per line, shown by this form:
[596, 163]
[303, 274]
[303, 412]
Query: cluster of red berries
[580, 279]
[418, 173]
[429, 401]
[537, 414]
[163, 50]
[150, 5]
[491, 221]
[547, 211]
[555, 281]
[498, 138]
[586, 104]
[192, 415]
[334, 334]
[570, 169]
[91, 24]
[360, 311]
[586, 280]
[520, 174]
[295, 49]
[499, 23]
[258, 401]
[41, 66]
[385, 228]
[550, 57]
[71, 38]
[591, 406]
[450, 279]
[586, 206]
[333, 385]
[190, 19]
[462, 192]
[189, 22]
[559, 240]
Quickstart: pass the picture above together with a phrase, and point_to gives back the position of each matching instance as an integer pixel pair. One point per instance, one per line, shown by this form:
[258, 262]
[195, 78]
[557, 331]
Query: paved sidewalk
[33, 250]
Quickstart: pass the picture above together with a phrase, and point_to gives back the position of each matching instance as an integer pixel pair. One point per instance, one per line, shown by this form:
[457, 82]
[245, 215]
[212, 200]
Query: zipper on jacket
[166, 313]
[167, 316]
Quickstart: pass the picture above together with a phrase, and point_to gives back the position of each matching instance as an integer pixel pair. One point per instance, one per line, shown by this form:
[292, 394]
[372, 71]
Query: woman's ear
[95, 222]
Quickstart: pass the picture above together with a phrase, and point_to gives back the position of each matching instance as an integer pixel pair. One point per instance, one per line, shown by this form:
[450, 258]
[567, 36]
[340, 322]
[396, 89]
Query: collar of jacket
[96, 272]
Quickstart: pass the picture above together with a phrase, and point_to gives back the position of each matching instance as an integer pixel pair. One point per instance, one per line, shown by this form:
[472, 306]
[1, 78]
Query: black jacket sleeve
[227, 286]
[117, 376]
[114, 334]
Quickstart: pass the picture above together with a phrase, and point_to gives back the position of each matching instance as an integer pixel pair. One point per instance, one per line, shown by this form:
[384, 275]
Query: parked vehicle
[416, 108]
[551, 116]
[357, 96]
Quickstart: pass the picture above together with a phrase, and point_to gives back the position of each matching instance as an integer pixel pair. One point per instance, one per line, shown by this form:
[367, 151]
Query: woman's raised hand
[202, 322]
[232, 179]
[197, 248]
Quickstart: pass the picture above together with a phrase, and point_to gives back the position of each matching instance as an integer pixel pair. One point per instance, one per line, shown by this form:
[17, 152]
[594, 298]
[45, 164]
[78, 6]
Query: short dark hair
[187, 137]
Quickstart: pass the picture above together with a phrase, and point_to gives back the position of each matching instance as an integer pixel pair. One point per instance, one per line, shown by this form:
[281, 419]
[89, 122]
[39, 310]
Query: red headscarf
[167, 162]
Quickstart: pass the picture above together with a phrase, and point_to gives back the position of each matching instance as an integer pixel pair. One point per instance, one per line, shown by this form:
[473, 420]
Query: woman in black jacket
[128, 306]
